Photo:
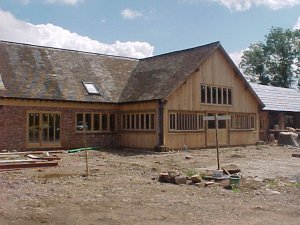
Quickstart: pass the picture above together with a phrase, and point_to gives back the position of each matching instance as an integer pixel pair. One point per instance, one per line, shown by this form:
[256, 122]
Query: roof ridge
[67, 50]
[215, 44]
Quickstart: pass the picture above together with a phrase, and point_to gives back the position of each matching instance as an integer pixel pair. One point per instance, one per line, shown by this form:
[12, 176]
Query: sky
[143, 28]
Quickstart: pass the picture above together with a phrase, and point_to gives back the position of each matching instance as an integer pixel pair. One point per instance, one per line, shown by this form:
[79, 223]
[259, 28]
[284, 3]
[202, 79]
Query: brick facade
[13, 132]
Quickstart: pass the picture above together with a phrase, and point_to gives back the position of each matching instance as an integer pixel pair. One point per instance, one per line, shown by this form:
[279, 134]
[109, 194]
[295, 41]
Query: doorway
[43, 130]
[211, 131]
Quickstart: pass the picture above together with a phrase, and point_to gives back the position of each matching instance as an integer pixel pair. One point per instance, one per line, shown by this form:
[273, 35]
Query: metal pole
[217, 141]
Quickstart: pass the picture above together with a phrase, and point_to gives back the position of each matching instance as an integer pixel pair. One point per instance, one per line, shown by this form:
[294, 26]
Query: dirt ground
[123, 188]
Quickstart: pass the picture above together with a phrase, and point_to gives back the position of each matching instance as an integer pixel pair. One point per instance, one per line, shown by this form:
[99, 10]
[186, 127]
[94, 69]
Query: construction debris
[21, 160]
[288, 138]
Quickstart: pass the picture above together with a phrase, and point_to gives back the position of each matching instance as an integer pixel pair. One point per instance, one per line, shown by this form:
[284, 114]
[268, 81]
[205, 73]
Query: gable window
[95, 122]
[91, 88]
[216, 95]
[183, 121]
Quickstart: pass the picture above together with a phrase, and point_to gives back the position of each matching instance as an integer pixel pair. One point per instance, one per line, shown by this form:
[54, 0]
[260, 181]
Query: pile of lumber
[21, 160]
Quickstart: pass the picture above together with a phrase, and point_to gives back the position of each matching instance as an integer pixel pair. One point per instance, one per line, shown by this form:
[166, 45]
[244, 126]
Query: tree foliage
[275, 61]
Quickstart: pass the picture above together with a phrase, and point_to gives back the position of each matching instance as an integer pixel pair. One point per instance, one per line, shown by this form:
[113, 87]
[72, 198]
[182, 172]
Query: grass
[272, 183]
[191, 172]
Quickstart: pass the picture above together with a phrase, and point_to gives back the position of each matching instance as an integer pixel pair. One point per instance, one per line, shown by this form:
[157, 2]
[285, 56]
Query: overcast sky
[142, 28]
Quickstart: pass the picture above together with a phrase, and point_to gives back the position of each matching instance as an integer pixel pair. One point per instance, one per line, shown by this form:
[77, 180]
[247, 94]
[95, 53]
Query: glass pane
[96, 122]
[211, 123]
[51, 127]
[137, 121]
[214, 95]
[203, 93]
[225, 96]
[33, 128]
[91, 89]
[124, 122]
[229, 97]
[57, 127]
[132, 121]
[221, 123]
[104, 121]
[208, 94]
[152, 122]
[142, 121]
[112, 122]
[88, 121]
[79, 122]
[147, 121]
[219, 95]
[45, 127]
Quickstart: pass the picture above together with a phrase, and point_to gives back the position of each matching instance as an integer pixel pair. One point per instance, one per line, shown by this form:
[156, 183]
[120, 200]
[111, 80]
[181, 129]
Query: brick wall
[13, 134]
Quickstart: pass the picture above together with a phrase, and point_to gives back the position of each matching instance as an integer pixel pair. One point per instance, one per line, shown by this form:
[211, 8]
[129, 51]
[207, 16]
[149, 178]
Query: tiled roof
[277, 98]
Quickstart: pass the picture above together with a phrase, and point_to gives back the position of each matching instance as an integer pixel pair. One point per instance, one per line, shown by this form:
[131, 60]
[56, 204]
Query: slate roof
[160, 75]
[277, 98]
[35, 72]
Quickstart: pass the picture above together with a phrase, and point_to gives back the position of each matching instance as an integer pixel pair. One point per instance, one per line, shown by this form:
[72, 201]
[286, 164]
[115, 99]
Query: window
[243, 121]
[95, 122]
[183, 121]
[211, 124]
[138, 121]
[91, 88]
[216, 95]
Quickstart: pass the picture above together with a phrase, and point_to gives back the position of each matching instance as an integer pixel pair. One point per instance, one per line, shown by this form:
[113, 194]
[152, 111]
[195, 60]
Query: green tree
[275, 61]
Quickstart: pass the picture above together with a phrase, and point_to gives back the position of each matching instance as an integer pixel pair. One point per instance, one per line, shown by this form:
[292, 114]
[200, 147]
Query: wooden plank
[33, 152]
[48, 158]
[6, 166]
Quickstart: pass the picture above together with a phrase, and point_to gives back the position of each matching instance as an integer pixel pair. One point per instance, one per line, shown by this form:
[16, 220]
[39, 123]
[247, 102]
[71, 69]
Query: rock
[164, 177]
[209, 183]
[196, 179]
[188, 157]
[180, 180]
[173, 174]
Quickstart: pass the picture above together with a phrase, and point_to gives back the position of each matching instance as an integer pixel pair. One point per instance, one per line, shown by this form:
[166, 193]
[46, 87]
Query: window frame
[243, 121]
[138, 121]
[185, 121]
[100, 129]
[216, 95]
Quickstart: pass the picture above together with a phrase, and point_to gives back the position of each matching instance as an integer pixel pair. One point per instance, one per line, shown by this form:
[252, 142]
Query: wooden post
[216, 118]
[217, 140]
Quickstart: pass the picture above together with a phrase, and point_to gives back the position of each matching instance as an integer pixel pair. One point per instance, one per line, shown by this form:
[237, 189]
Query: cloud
[66, 2]
[130, 14]
[297, 25]
[236, 57]
[12, 29]
[242, 5]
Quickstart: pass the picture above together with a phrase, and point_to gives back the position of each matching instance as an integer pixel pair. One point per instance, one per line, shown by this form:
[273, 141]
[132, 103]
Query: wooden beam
[19, 165]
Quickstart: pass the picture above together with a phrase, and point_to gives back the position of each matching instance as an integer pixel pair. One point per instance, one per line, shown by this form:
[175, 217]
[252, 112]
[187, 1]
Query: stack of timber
[21, 160]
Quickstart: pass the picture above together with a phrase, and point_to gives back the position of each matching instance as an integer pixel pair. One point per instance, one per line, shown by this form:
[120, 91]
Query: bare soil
[123, 188]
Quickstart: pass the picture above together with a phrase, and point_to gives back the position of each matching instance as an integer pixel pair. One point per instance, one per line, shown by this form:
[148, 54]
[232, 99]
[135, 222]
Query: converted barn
[53, 98]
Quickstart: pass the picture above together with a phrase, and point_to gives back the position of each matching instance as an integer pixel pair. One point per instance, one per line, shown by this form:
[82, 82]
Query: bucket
[234, 180]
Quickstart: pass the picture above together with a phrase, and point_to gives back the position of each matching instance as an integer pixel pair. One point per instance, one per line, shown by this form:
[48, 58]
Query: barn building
[53, 98]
